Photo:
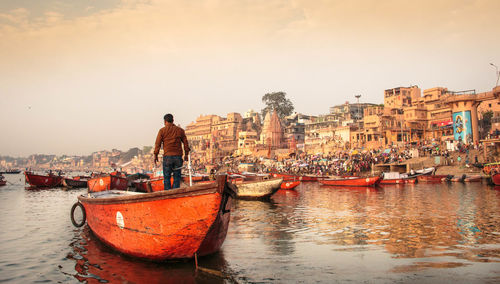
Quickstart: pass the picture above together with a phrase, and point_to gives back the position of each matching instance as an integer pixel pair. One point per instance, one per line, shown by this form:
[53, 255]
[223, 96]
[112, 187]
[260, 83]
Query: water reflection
[439, 226]
[96, 263]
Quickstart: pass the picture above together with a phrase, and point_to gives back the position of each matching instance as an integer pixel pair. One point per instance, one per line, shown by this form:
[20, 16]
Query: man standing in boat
[172, 137]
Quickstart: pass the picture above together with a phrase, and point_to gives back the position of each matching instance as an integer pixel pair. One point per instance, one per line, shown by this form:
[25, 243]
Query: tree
[485, 124]
[277, 101]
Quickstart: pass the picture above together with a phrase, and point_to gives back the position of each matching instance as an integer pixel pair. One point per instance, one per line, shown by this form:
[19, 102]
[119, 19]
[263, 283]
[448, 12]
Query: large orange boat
[107, 182]
[356, 181]
[173, 224]
[49, 180]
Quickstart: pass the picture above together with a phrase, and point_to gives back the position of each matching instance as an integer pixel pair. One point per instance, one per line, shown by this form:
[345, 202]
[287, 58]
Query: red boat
[495, 177]
[107, 182]
[157, 184]
[300, 178]
[397, 181]
[49, 180]
[432, 178]
[368, 181]
[2, 180]
[289, 184]
[172, 224]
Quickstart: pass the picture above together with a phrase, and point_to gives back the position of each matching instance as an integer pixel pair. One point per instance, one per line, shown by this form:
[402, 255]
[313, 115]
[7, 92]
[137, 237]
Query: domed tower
[272, 132]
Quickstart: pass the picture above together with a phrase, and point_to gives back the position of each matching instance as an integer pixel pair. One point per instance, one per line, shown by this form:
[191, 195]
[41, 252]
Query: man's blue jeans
[172, 164]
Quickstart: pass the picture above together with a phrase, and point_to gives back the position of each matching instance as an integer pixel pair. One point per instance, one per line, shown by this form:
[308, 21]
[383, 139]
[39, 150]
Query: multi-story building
[439, 124]
[295, 129]
[373, 127]
[401, 96]
[348, 113]
[199, 133]
[225, 131]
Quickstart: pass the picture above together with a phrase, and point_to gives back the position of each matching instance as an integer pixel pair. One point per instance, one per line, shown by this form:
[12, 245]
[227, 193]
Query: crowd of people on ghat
[343, 162]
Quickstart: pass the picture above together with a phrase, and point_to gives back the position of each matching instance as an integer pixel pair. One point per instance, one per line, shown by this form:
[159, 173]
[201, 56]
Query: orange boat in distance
[49, 180]
[108, 182]
[299, 178]
[398, 181]
[368, 181]
[166, 225]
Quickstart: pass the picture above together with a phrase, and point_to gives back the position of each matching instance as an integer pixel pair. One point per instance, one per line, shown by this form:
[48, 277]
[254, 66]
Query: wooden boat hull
[369, 181]
[42, 180]
[398, 181]
[476, 178]
[172, 224]
[432, 178]
[68, 182]
[107, 182]
[289, 184]
[13, 172]
[259, 189]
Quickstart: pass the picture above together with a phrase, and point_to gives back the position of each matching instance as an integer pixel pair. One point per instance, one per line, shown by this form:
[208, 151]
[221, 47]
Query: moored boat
[107, 182]
[172, 224]
[289, 184]
[297, 177]
[396, 178]
[359, 181]
[433, 178]
[466, 178]
[257, 188]
[11, 171]
[158, 185]
[490, 168]
[474, 178]
[495, 177]
[2, 180]
[49, 180]
[75, 182]
[398, 181]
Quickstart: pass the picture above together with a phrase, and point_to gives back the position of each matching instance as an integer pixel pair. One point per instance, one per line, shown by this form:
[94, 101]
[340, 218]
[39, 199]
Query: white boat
[257, 188]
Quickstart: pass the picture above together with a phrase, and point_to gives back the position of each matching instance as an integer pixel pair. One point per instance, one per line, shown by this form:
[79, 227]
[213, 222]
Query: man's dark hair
[168, 118]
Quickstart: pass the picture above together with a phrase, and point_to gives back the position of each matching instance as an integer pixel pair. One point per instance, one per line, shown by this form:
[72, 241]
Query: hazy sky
[78, 76]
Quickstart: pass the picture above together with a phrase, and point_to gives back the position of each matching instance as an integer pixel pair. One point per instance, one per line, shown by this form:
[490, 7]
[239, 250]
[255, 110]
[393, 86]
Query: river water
[423, 233]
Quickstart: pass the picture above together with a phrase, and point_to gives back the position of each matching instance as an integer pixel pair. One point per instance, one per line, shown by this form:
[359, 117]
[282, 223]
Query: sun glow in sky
[89, 75]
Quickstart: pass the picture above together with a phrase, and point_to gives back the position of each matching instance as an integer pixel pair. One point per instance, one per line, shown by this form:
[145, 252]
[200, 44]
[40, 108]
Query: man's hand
[156, 160]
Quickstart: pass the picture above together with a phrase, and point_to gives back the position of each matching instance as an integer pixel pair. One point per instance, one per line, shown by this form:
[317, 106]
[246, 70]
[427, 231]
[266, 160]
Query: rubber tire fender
[72, 215]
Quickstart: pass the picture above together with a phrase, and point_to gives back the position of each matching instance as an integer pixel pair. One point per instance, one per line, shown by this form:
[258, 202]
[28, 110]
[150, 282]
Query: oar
[207, 270]
[189, 169]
